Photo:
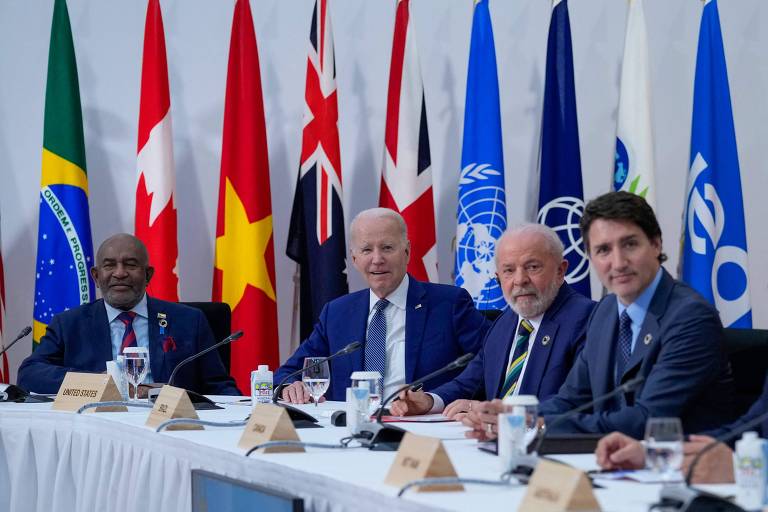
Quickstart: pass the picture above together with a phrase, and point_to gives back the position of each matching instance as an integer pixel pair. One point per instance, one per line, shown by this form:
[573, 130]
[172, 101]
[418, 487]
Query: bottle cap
[749, 435]
[263, 368]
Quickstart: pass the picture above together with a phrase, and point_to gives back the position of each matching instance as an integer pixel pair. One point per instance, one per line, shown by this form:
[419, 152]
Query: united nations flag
[482, 210]
[64, 246]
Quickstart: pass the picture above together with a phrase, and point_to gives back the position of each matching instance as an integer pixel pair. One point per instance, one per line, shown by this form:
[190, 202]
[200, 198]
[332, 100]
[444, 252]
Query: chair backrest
[219, 317]
[491, 314]
[748, 353]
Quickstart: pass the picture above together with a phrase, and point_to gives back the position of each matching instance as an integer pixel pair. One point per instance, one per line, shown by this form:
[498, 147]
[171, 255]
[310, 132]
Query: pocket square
[169, 344]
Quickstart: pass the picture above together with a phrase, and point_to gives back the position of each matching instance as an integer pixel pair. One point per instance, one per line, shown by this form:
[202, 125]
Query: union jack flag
[316, 234]
[406, 178]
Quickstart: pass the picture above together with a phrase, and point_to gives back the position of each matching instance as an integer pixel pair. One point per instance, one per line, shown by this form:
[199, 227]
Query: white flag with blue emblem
[482, 209]
[634, 167]
[714, 260]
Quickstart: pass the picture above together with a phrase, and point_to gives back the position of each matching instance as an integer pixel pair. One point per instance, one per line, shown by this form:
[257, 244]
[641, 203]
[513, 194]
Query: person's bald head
[122, 270]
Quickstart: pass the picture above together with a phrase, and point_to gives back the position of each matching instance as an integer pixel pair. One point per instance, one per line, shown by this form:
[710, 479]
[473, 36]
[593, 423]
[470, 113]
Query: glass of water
[136, 366]
[664, 446]
[316, 378]
[370, 380]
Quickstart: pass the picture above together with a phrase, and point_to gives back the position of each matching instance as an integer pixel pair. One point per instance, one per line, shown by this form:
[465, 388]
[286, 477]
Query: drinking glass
[664, 446]
[371, 380]
[316, 379]
[136, 366]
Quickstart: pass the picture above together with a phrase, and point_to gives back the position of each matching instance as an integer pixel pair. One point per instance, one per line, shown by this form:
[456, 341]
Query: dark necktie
[129, 336]
[624, 348]
[518, 358]
[376, 342]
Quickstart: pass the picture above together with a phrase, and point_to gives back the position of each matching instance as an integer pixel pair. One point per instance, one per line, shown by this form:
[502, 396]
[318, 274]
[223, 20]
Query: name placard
[556, 487]
[269, 423]
[172, 403]
[421, 457]
[79, 389]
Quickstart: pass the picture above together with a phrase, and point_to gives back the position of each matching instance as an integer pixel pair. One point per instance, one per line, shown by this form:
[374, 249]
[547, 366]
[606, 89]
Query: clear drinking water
[136, 368]
[317, 386]
[664, 457]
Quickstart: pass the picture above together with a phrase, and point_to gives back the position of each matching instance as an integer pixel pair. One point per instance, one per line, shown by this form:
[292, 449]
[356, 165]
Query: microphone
[23, 333]
[628, 386]
[688, 498]
[297, 415]
[380, 437]
[232, 337]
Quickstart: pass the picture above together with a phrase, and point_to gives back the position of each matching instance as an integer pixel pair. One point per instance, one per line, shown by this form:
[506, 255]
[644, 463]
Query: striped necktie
[518, 358]
[129, 336]
[376, 341]
[624, 345]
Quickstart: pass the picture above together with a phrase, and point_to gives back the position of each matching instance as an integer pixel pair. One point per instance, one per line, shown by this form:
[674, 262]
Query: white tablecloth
[55, 461]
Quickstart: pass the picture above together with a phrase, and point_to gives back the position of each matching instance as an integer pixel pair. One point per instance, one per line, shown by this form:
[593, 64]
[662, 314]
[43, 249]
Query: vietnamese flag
[155, 209]
[244, 266]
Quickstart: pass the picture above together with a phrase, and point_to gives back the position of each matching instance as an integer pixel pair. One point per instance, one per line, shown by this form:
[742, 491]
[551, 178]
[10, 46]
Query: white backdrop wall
[108, 37]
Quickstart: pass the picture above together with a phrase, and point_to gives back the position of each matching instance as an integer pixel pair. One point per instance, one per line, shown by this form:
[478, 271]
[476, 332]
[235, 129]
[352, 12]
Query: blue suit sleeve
[43, 371]
[316, 345]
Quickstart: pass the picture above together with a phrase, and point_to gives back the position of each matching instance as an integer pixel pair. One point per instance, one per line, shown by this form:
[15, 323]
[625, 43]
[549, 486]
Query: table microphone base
[299, 418]
[381, 438]
[688, 499]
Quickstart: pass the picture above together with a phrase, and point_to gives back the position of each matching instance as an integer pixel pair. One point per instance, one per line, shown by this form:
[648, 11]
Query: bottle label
[261, 390]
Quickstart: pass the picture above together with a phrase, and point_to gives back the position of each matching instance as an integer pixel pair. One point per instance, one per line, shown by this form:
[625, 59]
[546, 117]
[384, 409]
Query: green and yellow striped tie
[518, 358]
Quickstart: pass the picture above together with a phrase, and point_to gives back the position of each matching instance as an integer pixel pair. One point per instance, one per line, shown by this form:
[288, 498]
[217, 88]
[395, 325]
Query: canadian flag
[406, 178]
[155, 209]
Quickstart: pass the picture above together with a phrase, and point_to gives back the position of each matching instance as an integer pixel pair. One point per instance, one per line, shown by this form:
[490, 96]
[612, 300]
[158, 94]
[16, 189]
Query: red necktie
[129, 336]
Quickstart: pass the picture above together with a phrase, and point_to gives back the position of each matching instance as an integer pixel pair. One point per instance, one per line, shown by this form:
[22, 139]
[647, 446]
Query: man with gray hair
[409, 328]
[531, 347]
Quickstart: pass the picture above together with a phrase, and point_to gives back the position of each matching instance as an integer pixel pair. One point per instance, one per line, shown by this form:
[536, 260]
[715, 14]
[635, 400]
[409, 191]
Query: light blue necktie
[376, 342]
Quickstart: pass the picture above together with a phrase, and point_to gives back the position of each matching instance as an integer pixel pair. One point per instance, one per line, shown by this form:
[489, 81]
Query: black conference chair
[491, 314]
[219, 317]
[747, 351]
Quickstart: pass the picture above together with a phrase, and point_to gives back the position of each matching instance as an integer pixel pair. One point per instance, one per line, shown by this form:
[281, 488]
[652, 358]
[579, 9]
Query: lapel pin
[545, 340]
[162, 322]
[418, 306]
[648, 338]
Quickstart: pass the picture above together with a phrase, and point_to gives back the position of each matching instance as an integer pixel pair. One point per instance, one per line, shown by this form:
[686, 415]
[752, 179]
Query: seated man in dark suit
[533, 344]
[619, 451]
[650, 325]
[85, 338]
[410, 328]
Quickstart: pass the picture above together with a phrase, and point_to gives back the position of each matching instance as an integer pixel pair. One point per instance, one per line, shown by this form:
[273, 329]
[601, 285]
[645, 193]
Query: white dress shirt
[394, 374]
[140, 327]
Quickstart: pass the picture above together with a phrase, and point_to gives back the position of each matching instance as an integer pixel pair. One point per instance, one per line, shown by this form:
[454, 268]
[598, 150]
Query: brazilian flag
[64, 246]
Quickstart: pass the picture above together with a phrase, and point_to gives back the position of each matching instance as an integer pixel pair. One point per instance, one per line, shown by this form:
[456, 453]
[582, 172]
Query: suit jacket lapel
[101, 330]
[416, 309]
[359, 326]
[650, 329]
[497, 357]
[603, 376]
[538, 356]
[156, 354]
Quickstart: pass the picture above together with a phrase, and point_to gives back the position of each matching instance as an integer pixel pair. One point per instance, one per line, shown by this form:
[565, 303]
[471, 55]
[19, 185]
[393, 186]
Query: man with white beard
[531, 347]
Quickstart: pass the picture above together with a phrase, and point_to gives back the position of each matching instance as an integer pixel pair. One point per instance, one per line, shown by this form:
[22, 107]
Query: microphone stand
[299, 417]
[380, 437]
[23, 333]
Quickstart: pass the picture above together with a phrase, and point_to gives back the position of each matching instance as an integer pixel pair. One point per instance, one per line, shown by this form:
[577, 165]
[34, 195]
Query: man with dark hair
[85, 338]
[650, 325]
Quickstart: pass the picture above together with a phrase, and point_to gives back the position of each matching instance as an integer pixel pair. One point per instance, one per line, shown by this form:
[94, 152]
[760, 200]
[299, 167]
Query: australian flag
[482, 209]
[316, 234]
[714, 260]
[561, 195]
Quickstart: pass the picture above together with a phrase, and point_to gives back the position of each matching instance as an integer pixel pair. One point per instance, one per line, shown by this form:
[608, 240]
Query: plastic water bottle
[261, 385]
[749, 468]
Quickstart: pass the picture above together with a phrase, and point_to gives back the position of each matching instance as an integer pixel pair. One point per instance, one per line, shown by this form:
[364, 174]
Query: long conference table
[109, 461]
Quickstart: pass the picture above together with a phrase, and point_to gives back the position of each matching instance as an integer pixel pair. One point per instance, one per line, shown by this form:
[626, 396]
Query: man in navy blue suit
[533, 344]
[650, 325]
[619, 451]
[84, 338]
[410, 328]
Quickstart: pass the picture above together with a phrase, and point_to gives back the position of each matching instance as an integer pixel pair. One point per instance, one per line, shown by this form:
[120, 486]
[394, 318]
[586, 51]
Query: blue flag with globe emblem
[482, 209]
[714, 260]
[561, 195]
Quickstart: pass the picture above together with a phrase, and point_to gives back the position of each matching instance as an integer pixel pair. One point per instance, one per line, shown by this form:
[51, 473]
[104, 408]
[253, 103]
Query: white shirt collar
[399, 297]
[140, 309]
